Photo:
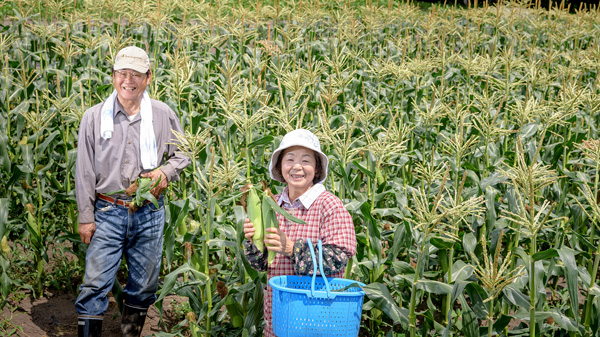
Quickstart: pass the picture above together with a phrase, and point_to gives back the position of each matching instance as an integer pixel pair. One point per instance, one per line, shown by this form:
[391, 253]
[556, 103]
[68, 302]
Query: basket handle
[318, 294]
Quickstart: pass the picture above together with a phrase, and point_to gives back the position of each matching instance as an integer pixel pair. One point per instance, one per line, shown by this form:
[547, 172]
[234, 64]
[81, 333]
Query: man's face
[130, 84]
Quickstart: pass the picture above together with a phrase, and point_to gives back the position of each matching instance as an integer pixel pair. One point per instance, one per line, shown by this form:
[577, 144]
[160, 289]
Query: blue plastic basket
[307, 306]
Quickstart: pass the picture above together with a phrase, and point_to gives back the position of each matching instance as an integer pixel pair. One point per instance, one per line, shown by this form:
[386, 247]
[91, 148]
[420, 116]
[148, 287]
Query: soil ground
[56, 316]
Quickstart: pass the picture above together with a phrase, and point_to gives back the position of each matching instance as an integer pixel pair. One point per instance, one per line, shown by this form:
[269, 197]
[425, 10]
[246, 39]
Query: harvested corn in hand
[262, 211]
[139, 191]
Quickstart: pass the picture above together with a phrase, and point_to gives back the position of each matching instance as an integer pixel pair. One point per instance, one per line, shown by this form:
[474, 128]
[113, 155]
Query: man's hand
[86, 231]
[279, 241]
[162, 185]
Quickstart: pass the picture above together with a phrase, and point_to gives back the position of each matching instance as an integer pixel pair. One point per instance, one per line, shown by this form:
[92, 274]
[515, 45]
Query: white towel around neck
[148, 153]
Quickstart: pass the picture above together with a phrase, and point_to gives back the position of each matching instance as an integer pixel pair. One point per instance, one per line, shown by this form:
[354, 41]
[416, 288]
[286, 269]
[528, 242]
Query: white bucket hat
[134, 58]
[298, 137]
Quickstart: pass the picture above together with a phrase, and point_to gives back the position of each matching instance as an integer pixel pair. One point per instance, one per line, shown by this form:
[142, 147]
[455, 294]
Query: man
[118, 139]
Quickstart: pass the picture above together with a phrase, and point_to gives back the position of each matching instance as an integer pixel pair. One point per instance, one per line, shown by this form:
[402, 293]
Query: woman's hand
[278, 241]
[248, 229]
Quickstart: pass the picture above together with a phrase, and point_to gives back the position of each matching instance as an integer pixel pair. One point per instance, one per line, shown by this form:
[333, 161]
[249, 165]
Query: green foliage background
[462, 141]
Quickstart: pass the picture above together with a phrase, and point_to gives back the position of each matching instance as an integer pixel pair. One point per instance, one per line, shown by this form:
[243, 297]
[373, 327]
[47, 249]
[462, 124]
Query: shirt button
[127, 162]
[129, 143]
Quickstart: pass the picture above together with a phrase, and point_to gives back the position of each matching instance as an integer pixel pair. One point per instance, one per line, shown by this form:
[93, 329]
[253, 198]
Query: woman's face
[298, 167]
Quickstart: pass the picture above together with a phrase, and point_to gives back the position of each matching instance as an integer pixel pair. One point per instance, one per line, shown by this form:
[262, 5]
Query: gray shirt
[105, 166]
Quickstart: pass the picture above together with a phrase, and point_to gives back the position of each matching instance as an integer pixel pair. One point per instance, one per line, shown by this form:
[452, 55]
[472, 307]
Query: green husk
[270, 210]
[253, 208]
[262, 211]
[139, 190]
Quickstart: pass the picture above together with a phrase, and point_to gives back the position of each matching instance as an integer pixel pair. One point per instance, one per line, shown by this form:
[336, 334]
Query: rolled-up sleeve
[176, 161]
[334, 258]
[256, 258]
[337, 228]
[338, 237]
[85, 176]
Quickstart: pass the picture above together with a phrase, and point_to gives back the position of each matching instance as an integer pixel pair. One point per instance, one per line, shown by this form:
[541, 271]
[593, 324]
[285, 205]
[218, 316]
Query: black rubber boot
[89, 327]
[133, 320]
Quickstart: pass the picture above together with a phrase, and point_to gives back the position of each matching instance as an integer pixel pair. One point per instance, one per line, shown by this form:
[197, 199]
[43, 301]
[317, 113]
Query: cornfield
[463, 141]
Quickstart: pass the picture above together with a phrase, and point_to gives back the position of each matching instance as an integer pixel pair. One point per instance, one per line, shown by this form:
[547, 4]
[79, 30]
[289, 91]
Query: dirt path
[56, 316]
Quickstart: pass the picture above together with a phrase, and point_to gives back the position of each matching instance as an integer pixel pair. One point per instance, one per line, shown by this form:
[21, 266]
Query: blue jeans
[138, 236]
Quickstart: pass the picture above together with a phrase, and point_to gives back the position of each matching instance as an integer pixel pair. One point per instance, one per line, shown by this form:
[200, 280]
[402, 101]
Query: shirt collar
[118, 108]
[306, 199]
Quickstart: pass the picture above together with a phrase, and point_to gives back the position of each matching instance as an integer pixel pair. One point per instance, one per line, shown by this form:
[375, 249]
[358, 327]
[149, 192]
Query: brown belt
[120, 202]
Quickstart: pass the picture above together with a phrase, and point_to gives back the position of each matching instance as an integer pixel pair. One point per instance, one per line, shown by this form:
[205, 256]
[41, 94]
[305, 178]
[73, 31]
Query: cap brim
[140, 69]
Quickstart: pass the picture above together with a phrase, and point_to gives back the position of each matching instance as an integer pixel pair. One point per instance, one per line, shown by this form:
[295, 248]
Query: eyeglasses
[133, 74]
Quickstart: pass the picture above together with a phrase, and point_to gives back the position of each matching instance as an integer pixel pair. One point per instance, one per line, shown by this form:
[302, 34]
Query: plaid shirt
[327, 220]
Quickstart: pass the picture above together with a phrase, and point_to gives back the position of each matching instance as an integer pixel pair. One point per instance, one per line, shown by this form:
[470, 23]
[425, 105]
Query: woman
[300, 163]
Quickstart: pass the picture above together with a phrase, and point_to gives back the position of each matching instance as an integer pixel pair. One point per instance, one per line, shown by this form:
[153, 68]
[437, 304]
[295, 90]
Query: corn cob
[142, 193]
[272, 210]
[269, 220]
[54, 181]
[253, 208]
[4, 245]
[139, 190]
[262, 212]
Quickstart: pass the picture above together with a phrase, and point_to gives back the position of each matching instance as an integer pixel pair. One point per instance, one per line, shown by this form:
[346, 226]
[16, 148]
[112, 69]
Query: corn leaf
[150, 197]
[457, 291]
[383, 300]
[374, 233]
[469, 319]
[516, 297]
[364, 170]
[469, 243]
[567, 255]
[117, 291]
[545, 254]
[3, 216]
[171, 279]
[477, 296]
[283, 212]
[178, 214]
[434, 287]
[4, 158]
[255, 311]
[264, 140]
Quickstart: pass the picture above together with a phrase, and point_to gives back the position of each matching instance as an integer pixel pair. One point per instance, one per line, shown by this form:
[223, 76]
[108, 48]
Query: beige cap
[133, 58]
